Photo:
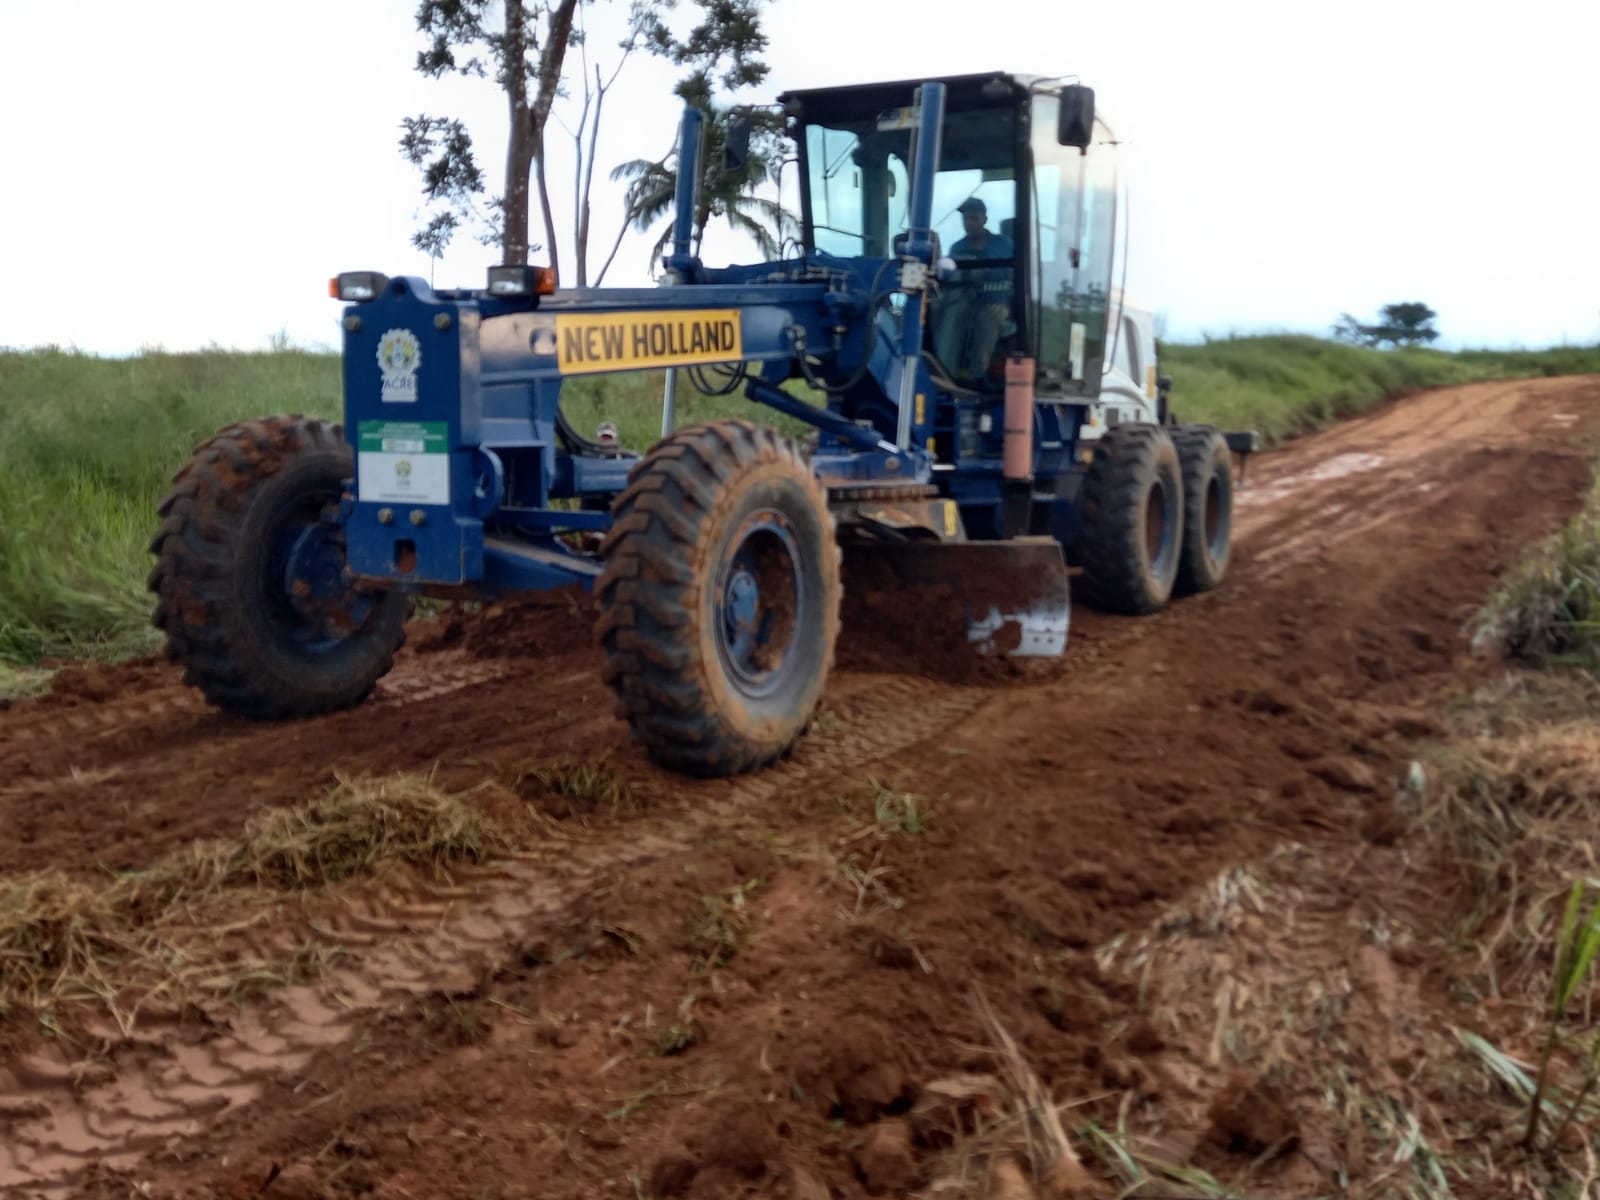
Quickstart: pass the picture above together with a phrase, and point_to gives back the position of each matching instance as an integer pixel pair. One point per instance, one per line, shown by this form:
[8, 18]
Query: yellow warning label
[589, 342]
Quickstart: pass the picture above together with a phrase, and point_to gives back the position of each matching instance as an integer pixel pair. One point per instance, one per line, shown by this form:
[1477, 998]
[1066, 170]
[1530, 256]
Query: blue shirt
[996, 247]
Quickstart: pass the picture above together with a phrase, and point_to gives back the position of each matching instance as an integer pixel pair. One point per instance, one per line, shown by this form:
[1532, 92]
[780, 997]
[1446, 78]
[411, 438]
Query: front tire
[1129, 529]
[1207, 468]
[719, 599]
[244, 509]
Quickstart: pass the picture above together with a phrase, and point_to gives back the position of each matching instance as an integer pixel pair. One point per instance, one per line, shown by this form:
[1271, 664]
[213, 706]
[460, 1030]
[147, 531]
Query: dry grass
[357, 825]
[1004, 1131]
[1321, 976]
[169, 933]
[1512, 809]
[57, 936]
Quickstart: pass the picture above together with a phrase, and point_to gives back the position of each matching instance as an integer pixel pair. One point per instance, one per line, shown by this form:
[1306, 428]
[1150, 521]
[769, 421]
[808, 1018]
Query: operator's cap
[973, 205]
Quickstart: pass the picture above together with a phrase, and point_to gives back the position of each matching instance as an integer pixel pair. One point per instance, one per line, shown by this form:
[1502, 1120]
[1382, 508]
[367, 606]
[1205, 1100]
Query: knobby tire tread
[197, 547]
[650, 626]
[1107, 527]
[1201, 450]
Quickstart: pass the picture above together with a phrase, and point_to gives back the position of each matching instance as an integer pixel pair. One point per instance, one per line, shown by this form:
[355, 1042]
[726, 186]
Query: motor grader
[987, 412]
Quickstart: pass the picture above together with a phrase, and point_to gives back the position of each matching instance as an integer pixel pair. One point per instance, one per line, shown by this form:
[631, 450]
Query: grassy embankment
[87, 446]
[1505, 804]
[1287, 385]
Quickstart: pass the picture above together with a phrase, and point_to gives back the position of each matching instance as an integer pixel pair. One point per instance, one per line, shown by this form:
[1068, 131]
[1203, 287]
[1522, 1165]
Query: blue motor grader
[946, 325]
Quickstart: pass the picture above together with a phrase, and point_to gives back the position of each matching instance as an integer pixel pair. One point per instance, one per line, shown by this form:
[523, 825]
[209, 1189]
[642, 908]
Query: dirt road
[742, 987]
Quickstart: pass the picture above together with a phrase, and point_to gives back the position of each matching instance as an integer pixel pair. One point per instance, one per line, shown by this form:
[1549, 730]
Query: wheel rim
[1218, 518]
[760, 604]
[1159, 543]
[308, 601]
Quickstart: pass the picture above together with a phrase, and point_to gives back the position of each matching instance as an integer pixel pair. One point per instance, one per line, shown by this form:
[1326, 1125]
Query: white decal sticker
[402, 479]
[399, 356]
[404, 462]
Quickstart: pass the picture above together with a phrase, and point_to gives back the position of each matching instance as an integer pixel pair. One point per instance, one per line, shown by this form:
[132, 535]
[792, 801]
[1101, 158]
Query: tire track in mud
[170, 720]
[167, 1082]
[59, 1117]
[1372, 471]
[100, 720]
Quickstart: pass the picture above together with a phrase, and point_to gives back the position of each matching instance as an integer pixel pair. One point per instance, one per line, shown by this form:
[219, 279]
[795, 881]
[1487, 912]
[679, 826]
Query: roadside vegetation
[168, 934]
[1497, 906]
[1287, 385]
[88, 445]
[1547, 611]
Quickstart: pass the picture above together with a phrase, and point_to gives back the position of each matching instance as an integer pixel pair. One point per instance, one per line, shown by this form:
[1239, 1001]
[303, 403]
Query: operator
[976, 305]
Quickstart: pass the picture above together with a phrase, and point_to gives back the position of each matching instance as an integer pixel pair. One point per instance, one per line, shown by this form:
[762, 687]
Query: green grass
[1547, 610]
[1285, 385]
[88, 445]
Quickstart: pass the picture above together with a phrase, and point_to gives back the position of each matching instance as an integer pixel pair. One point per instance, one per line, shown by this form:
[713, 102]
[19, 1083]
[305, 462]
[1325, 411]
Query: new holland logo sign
[399, 356]
[591, 342]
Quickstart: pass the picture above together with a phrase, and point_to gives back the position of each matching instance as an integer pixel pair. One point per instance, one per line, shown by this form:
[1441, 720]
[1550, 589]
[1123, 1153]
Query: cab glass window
[1075, 216]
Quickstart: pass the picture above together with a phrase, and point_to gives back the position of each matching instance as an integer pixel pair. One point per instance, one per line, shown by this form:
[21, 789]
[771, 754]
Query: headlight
[513, 282]
[354, 287]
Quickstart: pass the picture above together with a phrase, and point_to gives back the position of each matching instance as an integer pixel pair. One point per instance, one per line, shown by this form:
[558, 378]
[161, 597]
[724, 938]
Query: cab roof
[963, 90]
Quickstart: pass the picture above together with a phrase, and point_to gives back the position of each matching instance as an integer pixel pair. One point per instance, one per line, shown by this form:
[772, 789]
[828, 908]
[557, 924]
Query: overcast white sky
[181, 173]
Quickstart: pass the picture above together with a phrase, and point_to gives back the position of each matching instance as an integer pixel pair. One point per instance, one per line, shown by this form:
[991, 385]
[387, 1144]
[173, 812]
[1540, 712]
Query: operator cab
[1024, 216]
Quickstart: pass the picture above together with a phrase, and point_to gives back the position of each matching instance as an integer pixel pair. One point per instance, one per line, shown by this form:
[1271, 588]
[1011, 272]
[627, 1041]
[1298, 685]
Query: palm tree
[653, 184]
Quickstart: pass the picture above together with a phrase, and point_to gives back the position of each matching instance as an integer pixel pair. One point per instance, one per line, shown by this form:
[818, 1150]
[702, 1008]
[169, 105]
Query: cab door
[1074, 228]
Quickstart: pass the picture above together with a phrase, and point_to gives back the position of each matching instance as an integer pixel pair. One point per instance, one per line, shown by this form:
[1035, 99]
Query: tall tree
[524, 45]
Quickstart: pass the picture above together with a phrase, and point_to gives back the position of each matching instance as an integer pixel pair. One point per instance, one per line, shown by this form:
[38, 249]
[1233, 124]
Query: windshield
[859, 180]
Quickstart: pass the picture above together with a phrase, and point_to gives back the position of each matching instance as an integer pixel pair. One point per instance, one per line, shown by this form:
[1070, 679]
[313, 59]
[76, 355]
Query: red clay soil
[741, 988]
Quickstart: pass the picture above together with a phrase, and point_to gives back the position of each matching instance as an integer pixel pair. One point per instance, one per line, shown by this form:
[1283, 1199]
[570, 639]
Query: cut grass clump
[580, 788]
[893, 811]
[1547, 611]
[56, 937]
[168, 929]
[359, 824]
[18, 683]
[722, 927]
[898, 812]
[1004, 1129]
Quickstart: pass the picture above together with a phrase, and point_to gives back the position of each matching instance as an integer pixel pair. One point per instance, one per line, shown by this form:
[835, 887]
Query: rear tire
[228, 525]
[1128, 534]
[1207, 468]
[719, 599]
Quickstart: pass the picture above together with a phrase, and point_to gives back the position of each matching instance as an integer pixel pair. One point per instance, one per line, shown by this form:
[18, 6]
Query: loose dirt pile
[776, 985]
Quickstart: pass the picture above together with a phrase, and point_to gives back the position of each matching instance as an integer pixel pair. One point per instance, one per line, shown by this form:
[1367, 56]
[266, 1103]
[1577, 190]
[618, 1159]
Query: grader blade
[1014, 596]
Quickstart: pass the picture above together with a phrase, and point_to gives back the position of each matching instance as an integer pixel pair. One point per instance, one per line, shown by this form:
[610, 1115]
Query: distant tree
[523, 44]
[1405, 324]
[653, 183]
